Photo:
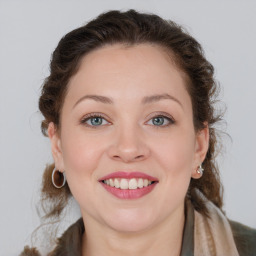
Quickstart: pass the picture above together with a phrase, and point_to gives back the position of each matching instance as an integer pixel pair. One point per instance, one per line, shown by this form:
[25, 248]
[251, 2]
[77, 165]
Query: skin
[129, 139]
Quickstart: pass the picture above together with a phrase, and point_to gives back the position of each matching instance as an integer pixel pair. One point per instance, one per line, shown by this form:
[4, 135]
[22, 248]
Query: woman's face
[127, 120]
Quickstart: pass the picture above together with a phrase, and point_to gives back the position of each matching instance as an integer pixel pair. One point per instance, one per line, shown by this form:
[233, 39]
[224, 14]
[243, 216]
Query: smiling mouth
[130, 184]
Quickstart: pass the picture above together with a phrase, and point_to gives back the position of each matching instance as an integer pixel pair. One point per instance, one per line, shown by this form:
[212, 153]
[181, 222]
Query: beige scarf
[213, 236]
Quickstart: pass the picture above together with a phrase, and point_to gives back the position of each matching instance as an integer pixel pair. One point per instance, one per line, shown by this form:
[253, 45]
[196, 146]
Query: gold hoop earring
[58, 178]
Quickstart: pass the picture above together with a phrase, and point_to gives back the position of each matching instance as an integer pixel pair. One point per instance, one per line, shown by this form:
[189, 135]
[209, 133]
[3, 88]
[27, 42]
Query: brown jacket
[70, 242]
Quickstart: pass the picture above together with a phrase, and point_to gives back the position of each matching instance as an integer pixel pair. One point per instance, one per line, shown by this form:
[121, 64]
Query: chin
[130, 221]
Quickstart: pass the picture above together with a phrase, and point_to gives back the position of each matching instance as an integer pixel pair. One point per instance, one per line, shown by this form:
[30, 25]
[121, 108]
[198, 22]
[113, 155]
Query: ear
[201, 148]
[56, 146]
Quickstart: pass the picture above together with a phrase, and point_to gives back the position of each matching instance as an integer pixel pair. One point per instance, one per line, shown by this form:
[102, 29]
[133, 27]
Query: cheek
[176, 151]
[175, 156]
[81, 154]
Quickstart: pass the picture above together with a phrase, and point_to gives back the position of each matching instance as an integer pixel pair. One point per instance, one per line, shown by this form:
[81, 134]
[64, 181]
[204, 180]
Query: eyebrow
[145, 100]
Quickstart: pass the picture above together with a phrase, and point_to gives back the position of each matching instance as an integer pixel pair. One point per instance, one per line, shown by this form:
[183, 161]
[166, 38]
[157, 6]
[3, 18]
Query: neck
[163, 239]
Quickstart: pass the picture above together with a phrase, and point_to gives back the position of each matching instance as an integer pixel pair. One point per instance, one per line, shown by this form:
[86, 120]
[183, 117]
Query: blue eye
[158, 120]
[94, 120]
[161, 121]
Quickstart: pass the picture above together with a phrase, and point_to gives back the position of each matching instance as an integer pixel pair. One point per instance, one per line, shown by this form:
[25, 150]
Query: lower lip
[129, 193]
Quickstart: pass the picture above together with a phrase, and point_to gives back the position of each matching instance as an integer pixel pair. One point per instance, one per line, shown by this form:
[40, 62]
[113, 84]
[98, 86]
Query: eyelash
[94, 115]
[90, 116]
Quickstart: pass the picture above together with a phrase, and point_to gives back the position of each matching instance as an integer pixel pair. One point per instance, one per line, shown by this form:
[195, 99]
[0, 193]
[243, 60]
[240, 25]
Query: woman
[128, 108]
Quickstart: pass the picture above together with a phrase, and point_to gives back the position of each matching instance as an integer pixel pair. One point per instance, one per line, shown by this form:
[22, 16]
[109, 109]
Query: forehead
[128, 71]
[120, 57]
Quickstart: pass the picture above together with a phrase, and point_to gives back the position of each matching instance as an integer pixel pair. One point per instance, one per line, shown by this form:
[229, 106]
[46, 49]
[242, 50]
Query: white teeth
[116, 182]
[140, 183]
[133, 184]
[128, 183]
[145, 183]
[111, 183]
[124, 184]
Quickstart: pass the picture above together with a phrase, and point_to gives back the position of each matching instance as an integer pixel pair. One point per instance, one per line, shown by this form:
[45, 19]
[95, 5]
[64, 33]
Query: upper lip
[128, 175]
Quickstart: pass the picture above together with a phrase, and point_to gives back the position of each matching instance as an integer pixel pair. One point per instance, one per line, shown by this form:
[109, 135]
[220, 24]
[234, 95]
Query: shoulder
[245, 238]
[70, 242]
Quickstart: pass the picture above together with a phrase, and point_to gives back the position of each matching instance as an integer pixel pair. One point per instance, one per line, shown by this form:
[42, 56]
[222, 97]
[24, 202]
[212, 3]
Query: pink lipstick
[128, 185]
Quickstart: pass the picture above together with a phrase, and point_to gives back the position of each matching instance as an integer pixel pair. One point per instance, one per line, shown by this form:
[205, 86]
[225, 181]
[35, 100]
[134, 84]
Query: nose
[128, 146]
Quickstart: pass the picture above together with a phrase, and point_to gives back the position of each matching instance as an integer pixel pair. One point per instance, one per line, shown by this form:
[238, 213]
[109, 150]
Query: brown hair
[131, 28]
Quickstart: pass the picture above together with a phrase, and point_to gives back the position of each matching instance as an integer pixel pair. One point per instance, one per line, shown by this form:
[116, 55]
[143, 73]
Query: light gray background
[29, 32]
